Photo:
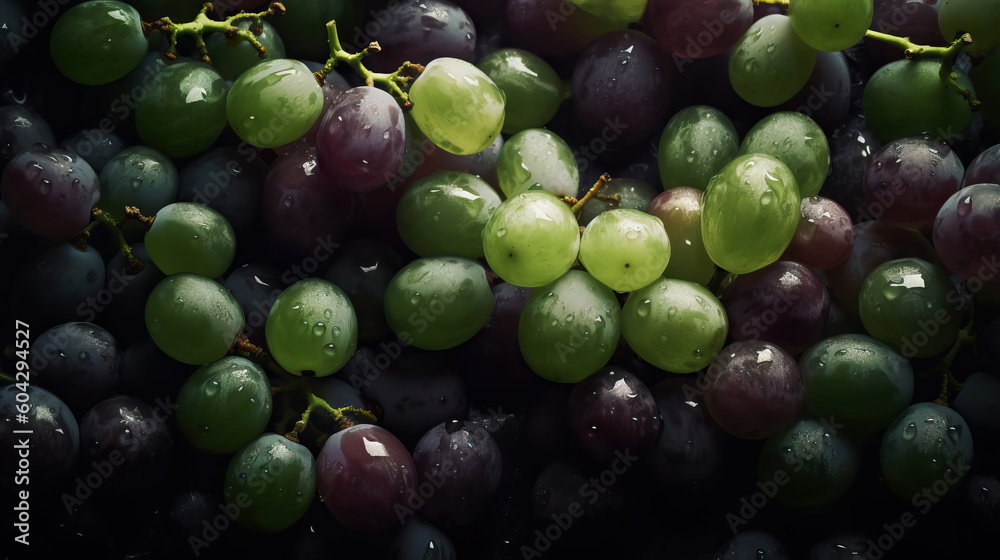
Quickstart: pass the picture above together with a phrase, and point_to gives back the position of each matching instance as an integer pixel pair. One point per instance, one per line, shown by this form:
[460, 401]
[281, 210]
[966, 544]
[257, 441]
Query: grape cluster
[501, 278]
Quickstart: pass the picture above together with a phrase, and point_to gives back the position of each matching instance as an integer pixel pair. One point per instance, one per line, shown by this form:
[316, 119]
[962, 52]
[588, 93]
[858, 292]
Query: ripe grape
[191, 237]
[184, 109]
[193, 319]
[966, 232]
[531, 239]
[680, 210]
[831, 25]
[419, 31]
[978, 18]
[312, 329]
[750, 214]
[271, 481]
[531, 87]
[137, 176]
[569, 328]
[50, 192]
[625, 249]
[363, 269]
[798, 142]
[437, 303]
[274, 103]
[675, 325]
[824, 237]
[529, 23]
[770, 63]
[55, 437]
[612, 410]
[457, 106]
[697, 143]
[98, 42]
[632, 194]
[132, 434]
[537, 159]
[698, 29]
[233, 60]
[80, 362]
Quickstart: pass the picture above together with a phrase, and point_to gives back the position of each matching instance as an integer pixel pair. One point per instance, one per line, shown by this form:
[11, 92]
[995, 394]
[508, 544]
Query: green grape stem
[775, 2]
[203, 24]
[965, 339]
[395, 83]
[135, 264]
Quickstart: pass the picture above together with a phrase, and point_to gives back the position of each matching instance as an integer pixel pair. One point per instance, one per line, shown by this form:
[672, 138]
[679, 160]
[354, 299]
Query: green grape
[634, 194]
[537, 159]
[569, 328]
[224, 405]
[303, 27]
[770, 63]
[138, 176]
[437, 303]
[531, 239]
[680, 210]
[312, 328]
[978, 18]
[625, 249]
[618, 10]
[857, 380]
[985, 77]
[233, 60]
[675, 325]
[532, 89]
[927, 448]
[907, 304]
[457, 106]
[831, 25]
[271, 482]
[184, 109]
[193, 319]
[798, 142]
[191, 237]
[98, 42]
[444, 214]
[909, 98]
[811, 464]
[274, 103]
[697, 142]
[751, 210]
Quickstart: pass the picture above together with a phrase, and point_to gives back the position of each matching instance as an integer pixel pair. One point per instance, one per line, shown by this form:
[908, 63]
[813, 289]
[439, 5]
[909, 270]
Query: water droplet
[644, 307]
[330, 349]
[501, 232]
[910, 431]
[632, 234]
[671, 312]
[697, 354]
[328, 313]
[319, 329]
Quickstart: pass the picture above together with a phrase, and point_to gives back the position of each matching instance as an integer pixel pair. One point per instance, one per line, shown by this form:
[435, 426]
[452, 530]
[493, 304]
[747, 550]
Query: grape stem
[948, 380]
[337, 414]
[203, 24]
[395, 83]
[577, 205]
[7, 378]
[135, 264]
[775, 2]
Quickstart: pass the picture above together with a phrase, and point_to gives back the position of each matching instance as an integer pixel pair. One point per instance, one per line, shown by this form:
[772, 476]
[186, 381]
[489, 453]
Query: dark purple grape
[697, 29]
[419, 31]
[49, 457]
[552, 27]
[361, 140]
[255, 287]
[56, 284]
[984, 169]
[824, 237]
[229, 180]
[689, 453]
[302, 207]
[458, 469]
[967, 234]
[419, 540]
[851, 148]
[363, 269]
[364, 475]
[826, 97]
[21, 130]
[79, 362]
[127, 443]
[755, 389]
[94, 146]
[620, 87]
[784, 303]
[50, 192]
[874, 243]
[976, 403]
[908, 180]
[481, 11]
[613, 411]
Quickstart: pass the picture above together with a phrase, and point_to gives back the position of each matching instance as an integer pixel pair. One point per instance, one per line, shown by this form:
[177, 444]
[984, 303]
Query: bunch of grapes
[501, 278]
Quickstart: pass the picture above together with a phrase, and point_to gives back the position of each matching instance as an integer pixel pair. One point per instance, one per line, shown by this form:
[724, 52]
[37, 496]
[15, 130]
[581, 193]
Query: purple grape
[824, 237]
[302, 207]
[908, 180]
[229, 180]
[967, 233]
[56, 283]
[613, 411]
[755, 389]
[459, 465]
[21, 130]
[54, 440]
[851, 148]
[689, 453]
[361, 140]
[697, 29]
[79, 362]
[129, 436]
[363, 269]
[984, 169]
[619, 87]
[50, 192]
[552, 27]
[419, 31]
[94, 146]
[784, 303]
[365, 474]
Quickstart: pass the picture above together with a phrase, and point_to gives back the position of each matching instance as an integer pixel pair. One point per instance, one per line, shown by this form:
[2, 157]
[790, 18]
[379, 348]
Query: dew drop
[910, 431]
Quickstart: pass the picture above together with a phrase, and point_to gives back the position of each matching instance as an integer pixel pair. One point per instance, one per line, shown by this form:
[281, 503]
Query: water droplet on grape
[671, 312]
[319, 329]
[910, 431]
[643, 308]
[501, 232]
